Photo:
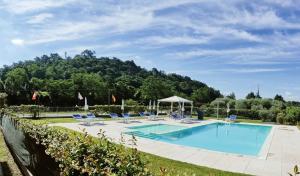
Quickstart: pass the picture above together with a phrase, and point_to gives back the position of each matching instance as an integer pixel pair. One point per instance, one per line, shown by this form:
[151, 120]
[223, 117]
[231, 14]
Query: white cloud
[97, 25]
[18, 42]
[291, 96]
[193, 25]
[24, 6]
[247, 55]
[102, 47]
[253, 70]
[172, 40]
[40, 18]
[285, 3]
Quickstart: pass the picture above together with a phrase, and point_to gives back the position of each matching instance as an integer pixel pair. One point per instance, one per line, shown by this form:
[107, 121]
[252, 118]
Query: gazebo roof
[175, 99]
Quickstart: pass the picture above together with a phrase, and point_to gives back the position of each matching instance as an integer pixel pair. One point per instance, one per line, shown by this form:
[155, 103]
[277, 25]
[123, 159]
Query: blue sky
[233, 46]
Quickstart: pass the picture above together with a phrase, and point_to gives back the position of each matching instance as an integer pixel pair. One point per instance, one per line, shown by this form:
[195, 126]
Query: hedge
[84, 154]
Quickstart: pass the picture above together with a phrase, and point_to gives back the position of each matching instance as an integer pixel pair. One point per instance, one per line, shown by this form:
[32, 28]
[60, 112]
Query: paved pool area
[278, 156]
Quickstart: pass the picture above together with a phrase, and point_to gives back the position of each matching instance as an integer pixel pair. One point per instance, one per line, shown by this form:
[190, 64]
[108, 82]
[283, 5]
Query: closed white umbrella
[157, 108]
[153, 105]
[228, 109]
[86, 106]
[123, 105]
[150, 107]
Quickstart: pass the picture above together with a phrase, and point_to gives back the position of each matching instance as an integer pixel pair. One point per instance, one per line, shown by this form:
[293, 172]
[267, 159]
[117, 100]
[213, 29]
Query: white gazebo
[175, 99]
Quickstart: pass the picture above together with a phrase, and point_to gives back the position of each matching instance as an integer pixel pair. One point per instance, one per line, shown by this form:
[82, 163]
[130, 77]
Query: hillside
[95, 78]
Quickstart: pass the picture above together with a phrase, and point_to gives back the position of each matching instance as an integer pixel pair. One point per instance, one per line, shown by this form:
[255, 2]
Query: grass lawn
[71, 120]
[238, 120]
[63, 120]
[56, 120]
[180, 168]
[6, 160]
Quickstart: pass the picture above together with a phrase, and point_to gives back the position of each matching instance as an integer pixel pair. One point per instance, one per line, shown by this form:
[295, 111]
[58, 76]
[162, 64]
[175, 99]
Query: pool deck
[282, 149]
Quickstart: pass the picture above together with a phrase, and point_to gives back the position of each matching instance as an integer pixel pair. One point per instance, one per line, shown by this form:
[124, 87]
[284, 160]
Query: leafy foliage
[279, 98]
[205, 95]
[3, 97]
[95, 78]
[268, 110]
[85, 155]
[250, 95]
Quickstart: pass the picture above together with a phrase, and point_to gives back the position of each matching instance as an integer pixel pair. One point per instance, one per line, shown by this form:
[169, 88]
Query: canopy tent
[175, 99]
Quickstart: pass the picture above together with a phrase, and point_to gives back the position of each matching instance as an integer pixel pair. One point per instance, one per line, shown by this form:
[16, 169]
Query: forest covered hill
[61, 79]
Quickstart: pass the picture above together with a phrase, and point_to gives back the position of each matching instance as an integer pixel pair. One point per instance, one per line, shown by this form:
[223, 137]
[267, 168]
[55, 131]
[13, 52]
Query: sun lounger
[231, 118]
[126, 117]
[114, 115]
[91, 117]
[77, 117]
[152, 116]
[176, 116]
[142, 114]
[188, 119]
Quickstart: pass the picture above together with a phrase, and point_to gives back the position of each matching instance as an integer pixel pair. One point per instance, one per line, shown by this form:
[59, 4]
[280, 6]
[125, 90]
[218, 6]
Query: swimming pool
[157, 128]
[224, 137]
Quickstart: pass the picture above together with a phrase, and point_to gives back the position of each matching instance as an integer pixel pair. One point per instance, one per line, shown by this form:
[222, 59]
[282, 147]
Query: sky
[231, 45]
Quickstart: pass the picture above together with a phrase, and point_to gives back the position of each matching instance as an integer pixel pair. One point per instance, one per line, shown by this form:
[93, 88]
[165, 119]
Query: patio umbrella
[228, 109]
[86, 106]
[183, 107]
[150, 107]
[153, 105]
[123, 104]
[157, 108]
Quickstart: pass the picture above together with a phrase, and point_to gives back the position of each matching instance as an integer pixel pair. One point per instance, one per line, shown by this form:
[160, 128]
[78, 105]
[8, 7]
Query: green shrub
[27, 108]
[293, 115]
[280, 118]
[290, 119]
[86, 155]
[267, 116]
[251, 114]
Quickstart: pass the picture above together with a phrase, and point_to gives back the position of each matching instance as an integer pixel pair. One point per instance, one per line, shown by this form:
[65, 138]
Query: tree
[16, 81]
[126, 86]
[266, 103]
[61, 92]
[242, 104]
[124, 78]
[2, 89]
[91, 86]
[88, 54]
[3, 97]
[154, 88]
[231, 96]
[205, 95]
[251, 95]
[279, 98]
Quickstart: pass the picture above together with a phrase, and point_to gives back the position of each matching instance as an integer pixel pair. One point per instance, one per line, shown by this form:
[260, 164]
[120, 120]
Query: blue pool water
[157, 128]
[231, 138]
